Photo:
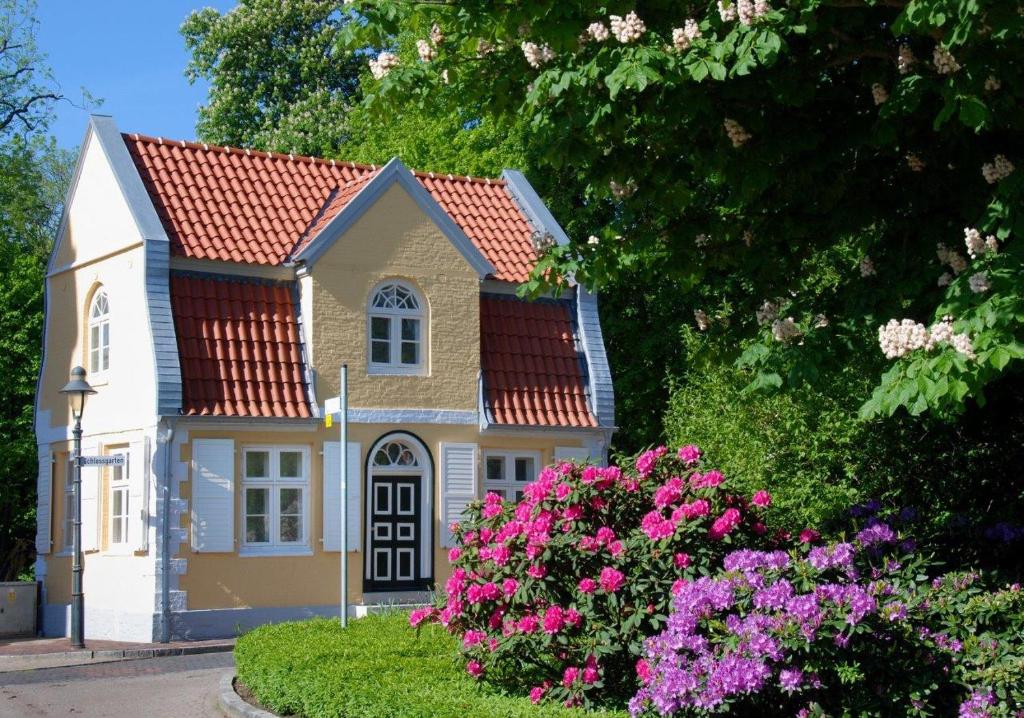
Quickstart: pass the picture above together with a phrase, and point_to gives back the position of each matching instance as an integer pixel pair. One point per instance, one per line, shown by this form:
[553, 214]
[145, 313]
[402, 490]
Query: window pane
[380, 352]
[118, 508]
[291, 464]
[291, 529]
[115, 532]
[495, 468]
[257, 464]
[499, 492]
[519, 496]
[256, 529]
[256, 501]
[524, 469]
[380, 328]
[411, 329]
[105, 330]
[410, 353]
[105, 359]
[291, 501]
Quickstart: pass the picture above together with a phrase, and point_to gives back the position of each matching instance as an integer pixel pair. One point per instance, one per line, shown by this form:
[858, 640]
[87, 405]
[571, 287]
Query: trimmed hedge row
[376, 668]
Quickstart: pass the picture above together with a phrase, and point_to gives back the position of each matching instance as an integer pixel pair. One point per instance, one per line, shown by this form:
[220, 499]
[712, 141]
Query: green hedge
[376, 668]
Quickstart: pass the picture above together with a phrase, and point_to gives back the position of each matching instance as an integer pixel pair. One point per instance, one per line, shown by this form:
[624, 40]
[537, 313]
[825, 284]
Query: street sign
[112, 460]
[332, 405]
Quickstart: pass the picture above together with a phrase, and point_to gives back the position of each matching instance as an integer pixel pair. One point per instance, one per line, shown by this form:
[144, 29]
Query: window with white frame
[396, 325]
[275, 482]
[118, 536]
[99, 334]
[507, 472]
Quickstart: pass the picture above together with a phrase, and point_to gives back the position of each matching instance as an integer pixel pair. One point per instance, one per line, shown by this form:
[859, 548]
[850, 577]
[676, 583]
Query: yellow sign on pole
[329, 421]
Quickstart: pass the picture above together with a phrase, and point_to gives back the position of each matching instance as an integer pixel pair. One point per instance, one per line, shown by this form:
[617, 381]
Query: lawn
[376, 668]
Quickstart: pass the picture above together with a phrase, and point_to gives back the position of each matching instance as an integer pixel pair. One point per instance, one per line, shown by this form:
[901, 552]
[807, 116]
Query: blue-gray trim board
[394, 171]
[601, 391]
[532, 206]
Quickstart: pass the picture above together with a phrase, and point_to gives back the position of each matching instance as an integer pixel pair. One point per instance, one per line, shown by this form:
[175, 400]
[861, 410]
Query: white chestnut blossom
[999, 168]
[484, 48]
[905, 59]
[683, 37]
[748, 237]
[945, 279]
[701, 240]
[975, 243]
[992, 244]
[593, 241]
[867, 267]
[767, 313]
[727, 10]
[820, 321]
[383, 64]
[915, 163]
[537, 55]
[992, 83]
[879, 93]
[597, 31]
[703, 322]
[737, 135]
[962, 343]
[955, 260]
[627, 29]
[745, 11]
[621, 191]
[425, 50]
[436, 35]
[945, 63]
[899, 338]
[785, 330]
[761, 8]
[978, 282]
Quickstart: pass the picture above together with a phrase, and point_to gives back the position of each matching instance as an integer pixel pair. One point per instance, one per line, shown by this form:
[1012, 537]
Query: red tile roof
[239, 348]
[533, 374]
[246, 206]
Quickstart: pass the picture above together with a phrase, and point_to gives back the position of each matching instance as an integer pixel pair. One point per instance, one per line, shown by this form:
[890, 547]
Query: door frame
[425, 511]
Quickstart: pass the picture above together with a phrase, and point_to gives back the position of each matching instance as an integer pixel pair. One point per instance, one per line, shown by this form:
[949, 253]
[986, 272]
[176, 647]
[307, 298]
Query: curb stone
[233, 705]
[66, 658]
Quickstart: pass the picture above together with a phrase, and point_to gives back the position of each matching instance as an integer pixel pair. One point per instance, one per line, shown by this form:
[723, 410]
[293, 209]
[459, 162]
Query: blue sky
[128, 53]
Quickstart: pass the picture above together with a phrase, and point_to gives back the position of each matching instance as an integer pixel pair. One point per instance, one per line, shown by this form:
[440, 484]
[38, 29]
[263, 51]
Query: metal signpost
[339, 405]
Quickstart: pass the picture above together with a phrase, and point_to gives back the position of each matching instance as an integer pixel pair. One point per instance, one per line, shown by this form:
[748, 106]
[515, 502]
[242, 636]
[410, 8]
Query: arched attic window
[397, 327]
[99, 333]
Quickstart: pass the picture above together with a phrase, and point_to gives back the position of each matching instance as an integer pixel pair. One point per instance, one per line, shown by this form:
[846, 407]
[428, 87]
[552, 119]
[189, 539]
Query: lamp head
[76, 390]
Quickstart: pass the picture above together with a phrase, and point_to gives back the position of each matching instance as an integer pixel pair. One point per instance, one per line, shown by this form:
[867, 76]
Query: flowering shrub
[557, 594]
[853, 627]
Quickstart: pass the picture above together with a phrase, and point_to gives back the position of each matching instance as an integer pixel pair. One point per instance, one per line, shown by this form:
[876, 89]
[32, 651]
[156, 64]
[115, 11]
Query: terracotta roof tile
[239, 347]
[533, 374]
[201, 192]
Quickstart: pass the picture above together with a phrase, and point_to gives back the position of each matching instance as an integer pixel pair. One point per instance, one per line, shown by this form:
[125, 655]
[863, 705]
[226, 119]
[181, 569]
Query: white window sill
[396, 371]
[246, 551]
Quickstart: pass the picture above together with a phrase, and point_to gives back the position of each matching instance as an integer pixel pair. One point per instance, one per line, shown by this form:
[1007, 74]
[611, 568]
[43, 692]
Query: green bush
[376, 668]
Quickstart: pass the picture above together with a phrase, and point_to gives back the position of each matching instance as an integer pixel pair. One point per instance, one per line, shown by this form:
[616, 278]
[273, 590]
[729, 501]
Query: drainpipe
[165, 528]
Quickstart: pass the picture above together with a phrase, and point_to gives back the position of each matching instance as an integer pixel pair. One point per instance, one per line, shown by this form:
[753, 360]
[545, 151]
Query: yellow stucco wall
[223, 580]
[395, 239]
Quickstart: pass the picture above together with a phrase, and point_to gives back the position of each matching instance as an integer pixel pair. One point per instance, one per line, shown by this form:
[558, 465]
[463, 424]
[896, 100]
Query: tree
[275, 82]
[34, 174]
[791, 169]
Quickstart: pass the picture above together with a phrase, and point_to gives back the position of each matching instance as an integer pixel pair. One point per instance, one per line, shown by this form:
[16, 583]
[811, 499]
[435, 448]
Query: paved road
[173, 687]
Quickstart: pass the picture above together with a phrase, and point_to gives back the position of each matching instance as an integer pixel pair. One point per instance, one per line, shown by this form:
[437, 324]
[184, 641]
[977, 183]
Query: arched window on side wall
[397, 328]
[99, 333]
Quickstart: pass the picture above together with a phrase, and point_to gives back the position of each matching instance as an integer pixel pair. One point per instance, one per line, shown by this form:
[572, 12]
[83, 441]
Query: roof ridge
[300, 158]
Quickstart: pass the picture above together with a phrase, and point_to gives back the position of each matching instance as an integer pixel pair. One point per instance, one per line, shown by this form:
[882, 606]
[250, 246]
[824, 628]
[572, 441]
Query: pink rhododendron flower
[573, 512]
[475, 593]
[523, 511]
[587, 585]
[678, 585]
[537, 570]
[589, 544]
[689, 454]
[471, 638]
[708, 481]
[696, 509]
[809, 536]
[646, 461]
[724, 524]
[611, 580]
[562, 491]
[643, 669]
[565, 468]
[570, 675]
[590, 475]
[681, 560]
[572, 617]
[453, 554]
[616, 549]
[509, 587]
[533, 551]
[762, 498]
[536, 694]
[486, 535]
[475, 669]
[553, 619]
[605, 535]
[759, 528]
[656, 526]
[590, 675]
[598, 504]
[528, 623]
[420, 615]
[500, 554]
[669, 493]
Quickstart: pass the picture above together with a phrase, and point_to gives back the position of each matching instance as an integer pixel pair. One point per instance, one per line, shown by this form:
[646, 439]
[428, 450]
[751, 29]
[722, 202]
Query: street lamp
[76, 390]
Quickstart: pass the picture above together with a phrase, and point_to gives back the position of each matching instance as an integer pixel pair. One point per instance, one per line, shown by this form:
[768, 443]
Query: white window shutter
[44, 506]
[90, 500]
[572, 453]
[458, 484]
[332, 496]
[213, 495]
[138, 468]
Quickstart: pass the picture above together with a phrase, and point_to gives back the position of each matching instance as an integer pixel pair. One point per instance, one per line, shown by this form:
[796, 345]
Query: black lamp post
[76, 390]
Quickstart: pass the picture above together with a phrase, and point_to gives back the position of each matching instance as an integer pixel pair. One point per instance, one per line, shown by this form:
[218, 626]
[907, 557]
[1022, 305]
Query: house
[212, 294]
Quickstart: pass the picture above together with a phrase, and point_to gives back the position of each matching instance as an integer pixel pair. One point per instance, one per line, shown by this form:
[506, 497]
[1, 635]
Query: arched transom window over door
[99, 333]
[397, 330]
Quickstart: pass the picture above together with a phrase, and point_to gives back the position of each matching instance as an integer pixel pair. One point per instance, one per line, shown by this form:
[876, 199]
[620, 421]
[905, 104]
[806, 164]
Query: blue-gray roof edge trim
[395, 171]
[601, 390]
[532, 206]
